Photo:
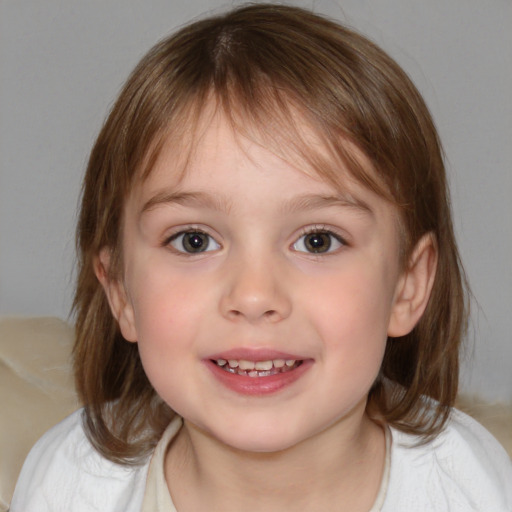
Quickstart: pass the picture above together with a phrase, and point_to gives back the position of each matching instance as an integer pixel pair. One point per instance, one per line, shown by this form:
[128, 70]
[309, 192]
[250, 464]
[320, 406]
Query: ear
[414, 287]
[118, 300]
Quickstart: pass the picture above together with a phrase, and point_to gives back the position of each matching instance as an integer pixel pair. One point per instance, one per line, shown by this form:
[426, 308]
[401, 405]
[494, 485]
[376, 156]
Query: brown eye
[318, 242]
[193, 242]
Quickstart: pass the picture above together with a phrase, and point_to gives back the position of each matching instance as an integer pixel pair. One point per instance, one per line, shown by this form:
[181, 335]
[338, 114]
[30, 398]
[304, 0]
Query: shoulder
[463, 469]
[64, 472]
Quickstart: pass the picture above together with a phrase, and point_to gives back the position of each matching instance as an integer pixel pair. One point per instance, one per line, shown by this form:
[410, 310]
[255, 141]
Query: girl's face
[261, 297]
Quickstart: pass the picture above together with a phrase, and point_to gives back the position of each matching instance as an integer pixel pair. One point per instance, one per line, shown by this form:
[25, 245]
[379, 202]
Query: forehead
[207, 166]
[208, 130]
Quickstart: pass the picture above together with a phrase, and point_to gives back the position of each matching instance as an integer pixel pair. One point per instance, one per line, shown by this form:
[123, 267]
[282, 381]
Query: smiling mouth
[257, 368]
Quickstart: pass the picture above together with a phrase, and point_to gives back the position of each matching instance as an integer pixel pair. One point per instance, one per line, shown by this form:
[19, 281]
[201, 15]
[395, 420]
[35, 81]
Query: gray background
[63, 61]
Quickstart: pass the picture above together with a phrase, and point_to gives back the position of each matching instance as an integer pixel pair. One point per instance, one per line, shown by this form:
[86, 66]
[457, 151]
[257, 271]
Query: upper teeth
[243, 364]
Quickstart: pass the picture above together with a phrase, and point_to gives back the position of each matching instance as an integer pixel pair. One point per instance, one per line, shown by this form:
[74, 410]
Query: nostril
[254, 303]
[270, 314]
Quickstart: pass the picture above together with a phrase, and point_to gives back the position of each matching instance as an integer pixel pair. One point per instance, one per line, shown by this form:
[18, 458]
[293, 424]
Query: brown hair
[264, 64]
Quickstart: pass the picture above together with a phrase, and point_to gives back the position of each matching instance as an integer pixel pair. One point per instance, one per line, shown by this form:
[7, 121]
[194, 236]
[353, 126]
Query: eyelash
[179, 238]
[320, 230]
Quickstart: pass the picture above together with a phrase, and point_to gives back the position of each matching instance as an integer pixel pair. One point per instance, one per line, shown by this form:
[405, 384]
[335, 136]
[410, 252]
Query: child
[270, 300]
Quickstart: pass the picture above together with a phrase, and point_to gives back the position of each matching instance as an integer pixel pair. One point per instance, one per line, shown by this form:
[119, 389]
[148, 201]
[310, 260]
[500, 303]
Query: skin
[258, 288]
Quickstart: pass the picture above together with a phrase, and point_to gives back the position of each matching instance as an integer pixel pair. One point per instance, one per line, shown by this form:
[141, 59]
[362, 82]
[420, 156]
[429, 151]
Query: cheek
[168, 309]
[352, 313]
[358, 295]
[163, 298]
[166, 329]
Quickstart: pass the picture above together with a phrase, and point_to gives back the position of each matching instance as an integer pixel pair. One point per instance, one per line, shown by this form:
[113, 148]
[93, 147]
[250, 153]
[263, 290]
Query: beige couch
[36, 391]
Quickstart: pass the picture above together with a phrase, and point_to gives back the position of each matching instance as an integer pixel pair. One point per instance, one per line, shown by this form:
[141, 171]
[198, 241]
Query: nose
[255, 290]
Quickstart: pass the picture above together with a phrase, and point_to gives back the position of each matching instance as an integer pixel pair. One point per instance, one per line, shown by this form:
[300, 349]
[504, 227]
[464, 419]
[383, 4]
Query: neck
[338, 469]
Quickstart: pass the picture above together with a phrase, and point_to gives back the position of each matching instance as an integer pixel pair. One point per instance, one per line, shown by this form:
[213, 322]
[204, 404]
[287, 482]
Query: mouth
[257, 373]
[255, 369]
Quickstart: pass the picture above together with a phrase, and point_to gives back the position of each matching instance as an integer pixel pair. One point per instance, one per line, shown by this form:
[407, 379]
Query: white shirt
[464, 469]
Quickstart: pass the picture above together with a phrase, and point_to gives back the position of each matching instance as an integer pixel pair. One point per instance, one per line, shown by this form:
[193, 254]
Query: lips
[257, 372]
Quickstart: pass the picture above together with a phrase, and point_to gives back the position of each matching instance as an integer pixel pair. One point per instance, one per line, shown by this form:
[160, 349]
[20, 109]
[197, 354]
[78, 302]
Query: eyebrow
[218, 203]
[314, 201]
[190, 199]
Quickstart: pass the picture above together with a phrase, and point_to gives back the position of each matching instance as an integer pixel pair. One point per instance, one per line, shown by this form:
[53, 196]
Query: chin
[263, 439]
[263, 446]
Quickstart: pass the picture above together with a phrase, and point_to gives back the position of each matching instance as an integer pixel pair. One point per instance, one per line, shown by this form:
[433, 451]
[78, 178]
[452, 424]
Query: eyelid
[183, 230]
[323, 230]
